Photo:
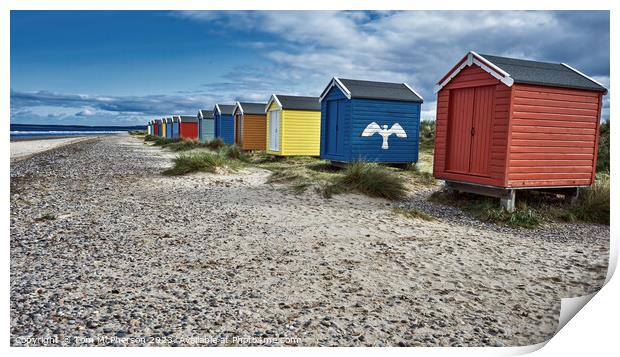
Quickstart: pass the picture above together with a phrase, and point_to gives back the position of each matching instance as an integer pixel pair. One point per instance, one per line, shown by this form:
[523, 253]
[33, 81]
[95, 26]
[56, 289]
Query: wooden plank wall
[254, 132]
[474, 76]
[553, 136]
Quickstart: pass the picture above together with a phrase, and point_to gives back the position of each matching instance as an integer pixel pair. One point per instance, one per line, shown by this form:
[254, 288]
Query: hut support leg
[508, 201]
[573, 195]
[448, 188]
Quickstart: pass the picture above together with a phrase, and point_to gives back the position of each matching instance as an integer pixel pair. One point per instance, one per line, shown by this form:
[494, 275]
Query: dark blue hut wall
[385, 112]
[226, 126]
[341, 139]
[217, 126]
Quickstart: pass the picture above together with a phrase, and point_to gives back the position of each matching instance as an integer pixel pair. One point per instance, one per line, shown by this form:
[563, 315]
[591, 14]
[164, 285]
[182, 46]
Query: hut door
[459, 129]
[469, 130]
[274, 130]
[481, 131]
[335, 124]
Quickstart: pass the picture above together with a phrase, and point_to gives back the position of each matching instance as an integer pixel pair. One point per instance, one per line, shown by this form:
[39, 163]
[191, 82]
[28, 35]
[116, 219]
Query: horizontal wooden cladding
[552, 130]
[554, 137]
[549, 183]
[570, 118]
[553, 123]
[579, 112]
[550, 103]
[555, 93]
[550, 175]
[254, 132]
[545, 169]
[532, 157]
[551, 143]
[556, 160]
[453, 176]
[301, 132]
[550, 149]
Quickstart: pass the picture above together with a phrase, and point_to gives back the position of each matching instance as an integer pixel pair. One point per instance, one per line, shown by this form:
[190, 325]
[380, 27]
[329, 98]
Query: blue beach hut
[169, 128]
[369, 121]
[175, 127]
[158, 127]
[206, 127]
[224, 124]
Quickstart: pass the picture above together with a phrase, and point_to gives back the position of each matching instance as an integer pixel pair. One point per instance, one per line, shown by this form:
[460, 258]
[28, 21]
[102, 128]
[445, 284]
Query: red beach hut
[156, 127]
[188, 127]
[505, 124]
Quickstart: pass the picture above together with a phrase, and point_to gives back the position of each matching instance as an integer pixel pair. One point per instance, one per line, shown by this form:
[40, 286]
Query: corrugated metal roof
[543, 73]
[380, 90]
[298, 102]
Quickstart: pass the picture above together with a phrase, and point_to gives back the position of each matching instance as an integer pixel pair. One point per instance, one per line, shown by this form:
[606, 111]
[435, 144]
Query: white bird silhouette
[373, 128]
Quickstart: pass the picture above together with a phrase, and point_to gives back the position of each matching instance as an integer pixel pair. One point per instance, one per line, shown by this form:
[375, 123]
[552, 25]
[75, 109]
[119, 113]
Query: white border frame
[585, 76]
[335, 82]
[274, 97]
[472, 58]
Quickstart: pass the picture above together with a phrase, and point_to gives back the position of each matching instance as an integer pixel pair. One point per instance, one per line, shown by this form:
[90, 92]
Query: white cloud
[302, 50]
[416, 47]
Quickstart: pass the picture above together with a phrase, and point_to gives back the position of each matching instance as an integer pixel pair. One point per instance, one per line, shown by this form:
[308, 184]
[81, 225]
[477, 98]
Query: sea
[38, 131]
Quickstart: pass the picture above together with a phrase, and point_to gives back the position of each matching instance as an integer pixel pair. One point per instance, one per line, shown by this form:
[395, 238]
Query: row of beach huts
[501, 124]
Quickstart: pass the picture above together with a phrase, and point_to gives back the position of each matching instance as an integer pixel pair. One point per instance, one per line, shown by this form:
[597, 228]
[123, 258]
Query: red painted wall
[553, 136]
[487, 153]
[525, 135]
[189, 131]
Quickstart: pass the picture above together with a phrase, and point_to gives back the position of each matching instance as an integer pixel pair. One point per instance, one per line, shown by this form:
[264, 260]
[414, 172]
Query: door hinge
[473, 131]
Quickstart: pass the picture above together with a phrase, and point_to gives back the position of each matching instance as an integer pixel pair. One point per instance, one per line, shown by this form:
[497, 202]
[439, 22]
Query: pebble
[340, 272]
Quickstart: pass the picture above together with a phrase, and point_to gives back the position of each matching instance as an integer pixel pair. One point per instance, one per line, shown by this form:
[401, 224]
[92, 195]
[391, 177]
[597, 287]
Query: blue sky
[125, 67]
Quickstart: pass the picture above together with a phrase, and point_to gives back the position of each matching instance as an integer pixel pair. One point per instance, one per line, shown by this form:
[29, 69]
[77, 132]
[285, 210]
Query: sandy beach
[24, 148]
[103, 245]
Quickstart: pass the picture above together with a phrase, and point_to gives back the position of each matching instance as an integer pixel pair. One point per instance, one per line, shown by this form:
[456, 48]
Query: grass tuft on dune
[183, 145]
[215, 144]
[369, 179]
[233, 152]
[592, 204]
[200, 162]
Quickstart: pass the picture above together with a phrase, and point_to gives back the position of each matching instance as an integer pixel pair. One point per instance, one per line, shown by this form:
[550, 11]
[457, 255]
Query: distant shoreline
[29, 132]
[31, 138]
[20, 126]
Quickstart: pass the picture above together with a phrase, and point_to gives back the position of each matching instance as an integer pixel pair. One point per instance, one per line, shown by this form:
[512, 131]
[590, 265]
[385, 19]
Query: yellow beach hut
[164, 121]
[293, 125]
